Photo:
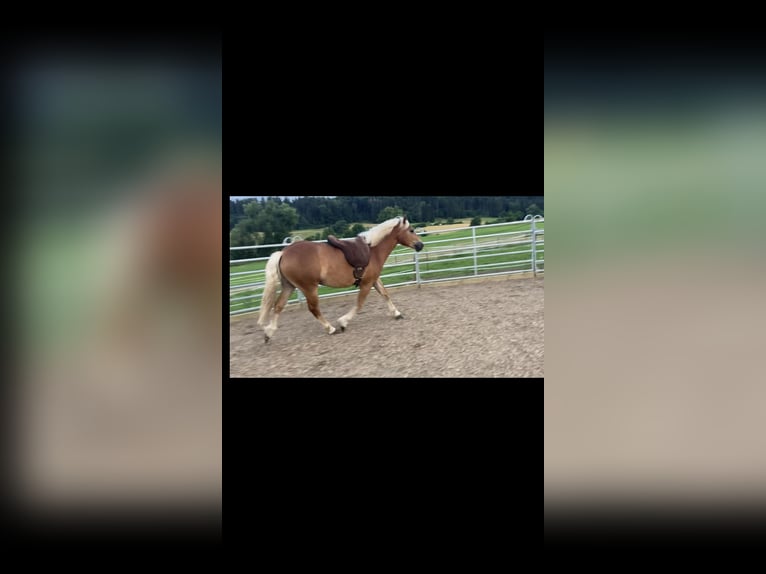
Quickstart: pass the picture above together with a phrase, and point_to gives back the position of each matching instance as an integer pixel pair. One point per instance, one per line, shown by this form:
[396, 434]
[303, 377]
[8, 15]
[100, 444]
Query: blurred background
[116, 164]
[655, 180]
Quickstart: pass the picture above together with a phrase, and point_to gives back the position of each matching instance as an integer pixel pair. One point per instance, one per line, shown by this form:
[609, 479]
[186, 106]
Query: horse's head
[406, 235]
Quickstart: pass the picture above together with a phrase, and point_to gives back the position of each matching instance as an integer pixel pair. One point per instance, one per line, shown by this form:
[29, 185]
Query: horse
[306, 265]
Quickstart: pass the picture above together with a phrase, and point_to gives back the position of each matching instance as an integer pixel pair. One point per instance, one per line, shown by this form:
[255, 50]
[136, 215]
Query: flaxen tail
[273, 279]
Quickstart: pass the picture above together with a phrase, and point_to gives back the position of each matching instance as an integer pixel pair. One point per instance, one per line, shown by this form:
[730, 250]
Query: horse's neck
[384, 248]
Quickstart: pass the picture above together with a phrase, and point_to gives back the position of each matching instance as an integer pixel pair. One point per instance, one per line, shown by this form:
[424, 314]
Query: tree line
[271, 219]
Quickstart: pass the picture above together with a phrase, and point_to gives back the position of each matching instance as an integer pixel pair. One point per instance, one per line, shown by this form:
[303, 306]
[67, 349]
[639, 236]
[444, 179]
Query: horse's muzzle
[418, 246]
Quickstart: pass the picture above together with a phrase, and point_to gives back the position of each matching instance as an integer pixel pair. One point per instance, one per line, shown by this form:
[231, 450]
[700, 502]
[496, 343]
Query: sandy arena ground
[493, 327]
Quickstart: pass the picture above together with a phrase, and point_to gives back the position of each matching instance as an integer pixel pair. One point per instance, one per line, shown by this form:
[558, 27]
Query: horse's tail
[273, 278]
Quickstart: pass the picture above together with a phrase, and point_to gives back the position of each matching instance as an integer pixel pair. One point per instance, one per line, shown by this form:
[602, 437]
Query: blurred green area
[55, 299]
[619, 186]
[116, 170]
[654, 302]
[94, 141]
[86, 130]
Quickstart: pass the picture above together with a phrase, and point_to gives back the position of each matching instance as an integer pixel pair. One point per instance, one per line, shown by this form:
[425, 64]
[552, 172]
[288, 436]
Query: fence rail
[457, 257]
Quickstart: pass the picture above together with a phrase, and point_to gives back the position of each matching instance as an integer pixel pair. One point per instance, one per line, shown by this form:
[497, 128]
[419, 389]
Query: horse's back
[301, 255]
[303, 260]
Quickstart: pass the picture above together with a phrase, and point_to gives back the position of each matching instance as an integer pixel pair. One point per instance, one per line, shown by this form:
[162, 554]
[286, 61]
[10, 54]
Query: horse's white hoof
[331, 331]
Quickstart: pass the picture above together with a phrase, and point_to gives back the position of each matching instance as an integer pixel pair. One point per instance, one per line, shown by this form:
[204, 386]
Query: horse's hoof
[399, 317]
[266, 339]
[342, 329]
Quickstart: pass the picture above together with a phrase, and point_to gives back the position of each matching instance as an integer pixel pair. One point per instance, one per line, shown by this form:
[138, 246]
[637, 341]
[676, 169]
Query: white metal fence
[488, 250]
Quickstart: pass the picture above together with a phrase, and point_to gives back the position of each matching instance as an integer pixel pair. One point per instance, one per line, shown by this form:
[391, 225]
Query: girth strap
[358, 272]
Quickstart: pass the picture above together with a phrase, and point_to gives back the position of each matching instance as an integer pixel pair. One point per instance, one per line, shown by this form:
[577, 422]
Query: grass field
[439, 259]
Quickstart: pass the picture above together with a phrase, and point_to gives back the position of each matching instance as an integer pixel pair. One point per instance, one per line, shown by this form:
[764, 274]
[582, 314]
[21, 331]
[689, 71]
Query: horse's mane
[376, 234]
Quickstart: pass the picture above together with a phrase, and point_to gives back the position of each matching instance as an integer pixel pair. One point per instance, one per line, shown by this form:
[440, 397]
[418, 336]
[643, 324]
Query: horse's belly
[333, 278]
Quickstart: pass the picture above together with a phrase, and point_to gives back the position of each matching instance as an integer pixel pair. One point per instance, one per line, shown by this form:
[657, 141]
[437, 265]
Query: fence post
[534, 249]
[475, 260]
[417, 269]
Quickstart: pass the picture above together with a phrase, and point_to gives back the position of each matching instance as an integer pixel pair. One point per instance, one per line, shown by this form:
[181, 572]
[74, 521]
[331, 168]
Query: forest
[315, 212]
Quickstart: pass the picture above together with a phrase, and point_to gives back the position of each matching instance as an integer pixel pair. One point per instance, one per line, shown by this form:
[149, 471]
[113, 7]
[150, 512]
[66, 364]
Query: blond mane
[376, 234]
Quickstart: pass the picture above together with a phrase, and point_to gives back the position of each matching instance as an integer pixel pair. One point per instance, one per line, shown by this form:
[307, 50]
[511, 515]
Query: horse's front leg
[364, 290]
[392, 311]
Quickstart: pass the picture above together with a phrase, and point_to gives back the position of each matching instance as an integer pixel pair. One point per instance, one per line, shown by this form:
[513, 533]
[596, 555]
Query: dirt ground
[492, 327]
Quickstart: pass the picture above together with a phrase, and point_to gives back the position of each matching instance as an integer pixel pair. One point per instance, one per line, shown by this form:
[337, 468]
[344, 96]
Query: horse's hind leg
[312, 299]
[364, 290]
[287, 290]
[393, 311]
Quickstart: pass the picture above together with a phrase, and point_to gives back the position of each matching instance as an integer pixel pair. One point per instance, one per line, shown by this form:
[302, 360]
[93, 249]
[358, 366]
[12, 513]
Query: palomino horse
[306, 265]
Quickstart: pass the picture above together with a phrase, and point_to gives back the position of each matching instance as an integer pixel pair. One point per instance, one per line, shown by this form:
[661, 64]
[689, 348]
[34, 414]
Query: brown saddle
[356, 251]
